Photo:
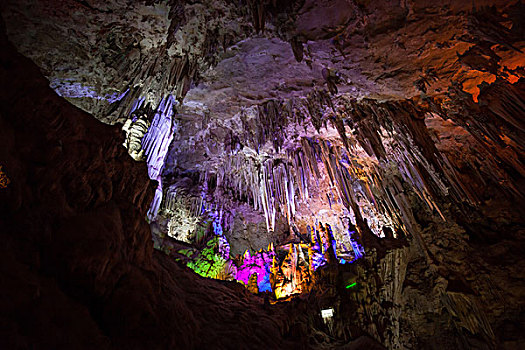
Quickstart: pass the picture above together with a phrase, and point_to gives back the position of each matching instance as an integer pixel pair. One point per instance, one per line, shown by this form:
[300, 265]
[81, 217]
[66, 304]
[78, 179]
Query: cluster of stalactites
[353, 177]
[155, 145]
[368, 169]
[287, 277]
[293, 274]
[174, 197]
[263, 271]
[192, 218]
[268, 186]
[496, 130]
[281, 185]
[173, 77]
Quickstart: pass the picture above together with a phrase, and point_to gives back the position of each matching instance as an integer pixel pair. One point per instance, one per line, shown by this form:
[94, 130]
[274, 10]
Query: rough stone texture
[120, 51]
[385, 49]
[394, 115]
[78, 268]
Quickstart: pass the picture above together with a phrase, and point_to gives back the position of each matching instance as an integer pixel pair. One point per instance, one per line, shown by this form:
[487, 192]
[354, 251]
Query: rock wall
[401, 120]
[78, 268]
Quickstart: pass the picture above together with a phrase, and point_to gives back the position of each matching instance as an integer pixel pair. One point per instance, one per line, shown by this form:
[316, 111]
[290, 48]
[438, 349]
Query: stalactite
[135, 130]
[467, 314]
[367, 166]
[155, 144]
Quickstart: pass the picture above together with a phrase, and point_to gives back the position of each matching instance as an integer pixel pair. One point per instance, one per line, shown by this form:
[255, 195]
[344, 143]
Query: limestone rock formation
[78, 265]
[361, 157]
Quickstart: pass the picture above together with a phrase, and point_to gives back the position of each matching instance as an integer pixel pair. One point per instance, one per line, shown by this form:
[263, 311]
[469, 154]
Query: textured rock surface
[78, 268]
[401, 121]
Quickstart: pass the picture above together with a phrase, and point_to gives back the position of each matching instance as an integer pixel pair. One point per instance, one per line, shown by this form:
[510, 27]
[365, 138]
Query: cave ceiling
[273, 117]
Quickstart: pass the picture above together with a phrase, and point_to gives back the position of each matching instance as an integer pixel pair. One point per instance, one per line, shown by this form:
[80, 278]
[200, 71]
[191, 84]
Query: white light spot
[327, 313]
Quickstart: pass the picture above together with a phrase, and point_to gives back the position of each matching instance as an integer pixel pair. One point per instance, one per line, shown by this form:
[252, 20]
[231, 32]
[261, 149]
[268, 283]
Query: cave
[256, 174]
